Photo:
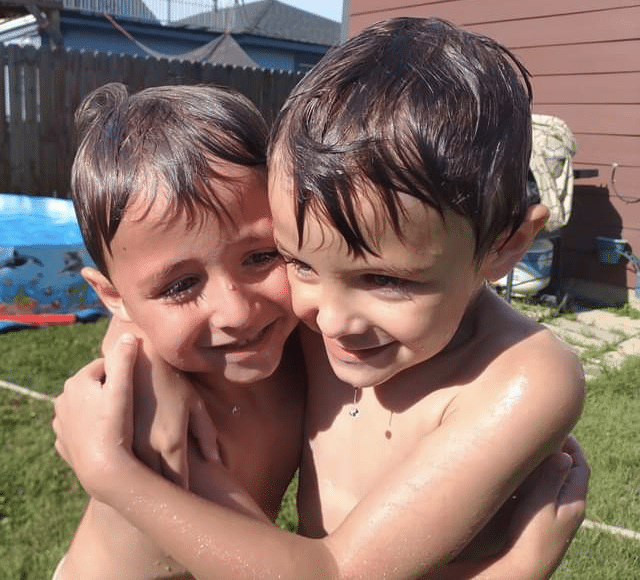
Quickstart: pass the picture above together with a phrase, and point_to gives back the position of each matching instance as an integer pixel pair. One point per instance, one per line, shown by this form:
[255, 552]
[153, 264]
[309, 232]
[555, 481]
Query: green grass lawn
[41, 501]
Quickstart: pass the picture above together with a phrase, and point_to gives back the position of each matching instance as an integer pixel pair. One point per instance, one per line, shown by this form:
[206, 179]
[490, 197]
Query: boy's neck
[214, 387]
[466, 328]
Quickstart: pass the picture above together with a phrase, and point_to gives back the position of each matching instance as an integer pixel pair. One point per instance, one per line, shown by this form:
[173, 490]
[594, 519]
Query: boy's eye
[181, 289]
[300, 268]
[262, 258]
[387, 282]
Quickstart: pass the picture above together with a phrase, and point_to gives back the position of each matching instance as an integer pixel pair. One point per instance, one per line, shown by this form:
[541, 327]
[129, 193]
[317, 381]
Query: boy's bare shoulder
[508, 333]
[518, 358]
[531, 348]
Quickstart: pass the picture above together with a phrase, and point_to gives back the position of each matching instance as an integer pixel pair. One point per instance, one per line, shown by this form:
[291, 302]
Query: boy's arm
[106, 545]
[168, 411]
[550, 508]
[409, 526]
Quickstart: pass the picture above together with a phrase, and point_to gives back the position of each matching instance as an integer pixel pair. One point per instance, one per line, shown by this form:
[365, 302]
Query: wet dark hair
[170, 136]
[409, 106]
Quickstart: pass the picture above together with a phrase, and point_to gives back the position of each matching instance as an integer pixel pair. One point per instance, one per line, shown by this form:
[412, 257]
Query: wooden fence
[41, 89]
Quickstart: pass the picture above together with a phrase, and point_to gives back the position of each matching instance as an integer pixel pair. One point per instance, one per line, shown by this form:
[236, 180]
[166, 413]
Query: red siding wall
[584, 56]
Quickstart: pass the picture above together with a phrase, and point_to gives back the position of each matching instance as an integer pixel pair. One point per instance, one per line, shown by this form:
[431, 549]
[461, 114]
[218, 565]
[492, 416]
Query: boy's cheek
[303, 306]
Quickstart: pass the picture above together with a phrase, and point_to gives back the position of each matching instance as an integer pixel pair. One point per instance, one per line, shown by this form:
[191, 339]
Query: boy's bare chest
[343, 463]
[261, 450]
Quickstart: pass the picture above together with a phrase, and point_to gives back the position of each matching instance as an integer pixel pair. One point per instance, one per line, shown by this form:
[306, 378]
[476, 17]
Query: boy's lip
[353, 355]
[250, 344]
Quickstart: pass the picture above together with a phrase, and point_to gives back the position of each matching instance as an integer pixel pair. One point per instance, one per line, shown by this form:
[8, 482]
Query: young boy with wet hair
[397, 184]
[398, 167]
[169, 186]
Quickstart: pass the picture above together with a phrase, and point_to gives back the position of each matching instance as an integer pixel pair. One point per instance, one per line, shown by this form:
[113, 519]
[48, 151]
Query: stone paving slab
[591, 370]
[610, 321]
[594, 329]
[613, 359]
[574, 338]
[630, 347]
[606, 336]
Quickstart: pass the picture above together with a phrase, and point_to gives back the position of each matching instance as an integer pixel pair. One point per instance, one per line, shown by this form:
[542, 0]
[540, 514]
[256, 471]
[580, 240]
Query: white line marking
[25, 391]
[585, 524]
[611, 529]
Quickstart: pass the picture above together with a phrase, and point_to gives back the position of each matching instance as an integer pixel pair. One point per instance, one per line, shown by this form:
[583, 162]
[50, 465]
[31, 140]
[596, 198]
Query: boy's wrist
[112, 473]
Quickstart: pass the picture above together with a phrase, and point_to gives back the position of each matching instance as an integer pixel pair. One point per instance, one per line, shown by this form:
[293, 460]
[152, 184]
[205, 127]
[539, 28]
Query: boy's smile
[211, 296]
[378, 315]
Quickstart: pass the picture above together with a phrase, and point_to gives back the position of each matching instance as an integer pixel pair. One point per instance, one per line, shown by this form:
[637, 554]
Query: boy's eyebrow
[387, 269]
[167, 270]
[395, 271]
[158, 277]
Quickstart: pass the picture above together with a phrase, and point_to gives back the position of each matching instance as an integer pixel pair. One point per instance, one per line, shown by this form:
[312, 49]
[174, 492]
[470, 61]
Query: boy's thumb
[119, 364]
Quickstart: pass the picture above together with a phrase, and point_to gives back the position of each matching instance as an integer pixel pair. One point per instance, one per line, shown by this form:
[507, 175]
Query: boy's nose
[230, 306]
[337, 316]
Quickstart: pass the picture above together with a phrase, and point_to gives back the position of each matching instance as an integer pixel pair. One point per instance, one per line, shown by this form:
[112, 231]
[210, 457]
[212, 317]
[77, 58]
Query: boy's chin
[249, 375]
[361, 376]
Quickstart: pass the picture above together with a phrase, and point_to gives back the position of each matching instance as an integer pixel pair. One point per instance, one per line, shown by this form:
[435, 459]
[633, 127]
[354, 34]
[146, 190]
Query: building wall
[584, 57]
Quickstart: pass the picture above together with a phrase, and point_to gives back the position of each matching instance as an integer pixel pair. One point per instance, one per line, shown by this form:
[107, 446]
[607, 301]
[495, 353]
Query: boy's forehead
[420, 225]
[239, 189]
[280, 177]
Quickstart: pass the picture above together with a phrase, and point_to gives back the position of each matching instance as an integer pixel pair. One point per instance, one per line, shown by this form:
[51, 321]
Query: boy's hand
[550, 509]
[94, 417]
[169, 416]
[168, 411]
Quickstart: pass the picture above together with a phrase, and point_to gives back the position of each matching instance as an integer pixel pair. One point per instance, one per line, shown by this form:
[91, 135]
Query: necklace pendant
[354, 411]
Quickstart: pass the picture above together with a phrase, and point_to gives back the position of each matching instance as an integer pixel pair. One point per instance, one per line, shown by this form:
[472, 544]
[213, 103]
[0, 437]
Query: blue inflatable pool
[41, 255]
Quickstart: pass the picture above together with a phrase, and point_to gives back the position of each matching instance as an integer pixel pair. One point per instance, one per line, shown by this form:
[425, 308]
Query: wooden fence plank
[63, 131]
[5, 169]
[72, 97]
[31, 160]
[115, 67]
[46, 126]
[16, 126]
[45, 88]
[216, 75]
[88, 80]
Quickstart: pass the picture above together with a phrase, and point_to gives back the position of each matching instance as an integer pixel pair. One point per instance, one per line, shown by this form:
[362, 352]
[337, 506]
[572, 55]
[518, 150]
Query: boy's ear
[504, 256]
[106, 291]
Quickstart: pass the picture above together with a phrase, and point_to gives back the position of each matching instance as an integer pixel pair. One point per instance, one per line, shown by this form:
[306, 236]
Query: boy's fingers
[547, 479]
[55, 424]
[539, 492]
[573, 447]
[90, 374]
[576, 485]
[61, 450]
[203, 430]
[120, 363]
[94, 370]
[170, 426]
[119, 367]
[175, 468]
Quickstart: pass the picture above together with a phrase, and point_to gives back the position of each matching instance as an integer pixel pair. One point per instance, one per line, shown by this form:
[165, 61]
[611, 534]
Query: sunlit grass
[41, 501]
